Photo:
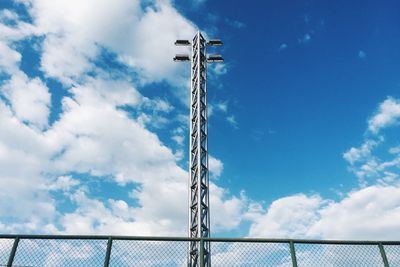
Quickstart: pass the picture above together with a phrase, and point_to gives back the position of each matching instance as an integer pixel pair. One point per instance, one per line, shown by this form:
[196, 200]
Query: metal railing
[88, 251]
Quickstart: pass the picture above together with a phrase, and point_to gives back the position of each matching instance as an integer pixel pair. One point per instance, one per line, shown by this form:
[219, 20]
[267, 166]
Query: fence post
[293, 254]
[108, 253]
[201, 254]
[383, 254]
[13, 251]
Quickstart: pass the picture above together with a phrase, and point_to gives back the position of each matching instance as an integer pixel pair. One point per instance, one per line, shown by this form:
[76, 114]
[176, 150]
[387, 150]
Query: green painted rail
[108, 251]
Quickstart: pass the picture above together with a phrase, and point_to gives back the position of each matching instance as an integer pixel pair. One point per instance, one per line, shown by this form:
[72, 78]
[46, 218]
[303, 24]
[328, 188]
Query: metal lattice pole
[199, 213]
[199, 216]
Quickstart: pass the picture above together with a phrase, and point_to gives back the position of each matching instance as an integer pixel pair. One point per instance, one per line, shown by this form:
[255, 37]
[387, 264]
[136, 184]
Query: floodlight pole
[199, 201]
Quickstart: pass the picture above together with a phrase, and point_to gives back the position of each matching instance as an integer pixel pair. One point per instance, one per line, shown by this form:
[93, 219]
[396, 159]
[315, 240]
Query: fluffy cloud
[141, 37]
[226, 212]
[101, 130]
[388, 114]
[29, 98]
[9, 58]
[97, 138]
[94, 136]
[24, 155]
[12, 28]
[354, 154]
[367, 164]
[367, 212]
[112, 217]
[215, 166]
[288, 217]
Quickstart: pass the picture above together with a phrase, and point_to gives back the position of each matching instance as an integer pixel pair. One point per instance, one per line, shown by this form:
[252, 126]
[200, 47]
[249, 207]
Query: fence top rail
[304, 241]
[187, 239]
[97, 237]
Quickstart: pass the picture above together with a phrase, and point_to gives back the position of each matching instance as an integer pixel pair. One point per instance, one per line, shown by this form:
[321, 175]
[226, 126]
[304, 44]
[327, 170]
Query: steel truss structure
[199, 200]
[199, 214]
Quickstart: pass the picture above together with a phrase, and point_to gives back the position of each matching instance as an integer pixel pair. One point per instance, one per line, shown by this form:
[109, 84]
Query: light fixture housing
[181, 58]
[215, 42]
[215, 58]
[182, 43]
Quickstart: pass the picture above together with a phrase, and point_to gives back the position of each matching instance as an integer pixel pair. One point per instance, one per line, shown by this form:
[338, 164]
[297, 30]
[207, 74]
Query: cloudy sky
[304, 117]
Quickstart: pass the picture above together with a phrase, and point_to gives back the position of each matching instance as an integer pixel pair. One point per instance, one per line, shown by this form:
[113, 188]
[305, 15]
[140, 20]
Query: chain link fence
[91, 251]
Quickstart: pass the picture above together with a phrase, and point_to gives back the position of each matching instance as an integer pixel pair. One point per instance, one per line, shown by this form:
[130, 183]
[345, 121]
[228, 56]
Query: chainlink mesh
[5, 249]
[42, 252]
[60, 253]
[393, 254]
[338, 255]
[250, 254]
[148, 253]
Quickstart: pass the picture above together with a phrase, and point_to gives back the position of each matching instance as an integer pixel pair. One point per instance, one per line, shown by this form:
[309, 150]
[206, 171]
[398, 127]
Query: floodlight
[215, 58]
[181, 58]
[182, 42]
[215, 42]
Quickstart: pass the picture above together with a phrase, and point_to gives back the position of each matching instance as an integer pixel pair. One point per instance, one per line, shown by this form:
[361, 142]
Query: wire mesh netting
[149, 253]
[338, 255]
[5, 249]
[250, 254]
[60, 253]
[393, 254]
[51, 251]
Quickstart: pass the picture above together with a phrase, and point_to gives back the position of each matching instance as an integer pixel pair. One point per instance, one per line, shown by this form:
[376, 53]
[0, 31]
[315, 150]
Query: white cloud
[91, 136]
[165, 215]
[64, 183]
[142, 39]
[178, 135]
[29, 98]
[218, 68]
[382, 167]
[9, 59]
[178, 139]
[217, 107]
[364, 214]
[369, 213]
[94, 135]
[7, 15]
[215, 166]
[288, 217]
[222, 106]
[104, 92]
[12, 29]
[394, 150]
[227, 212]
[388, 114]
[99, 139]
[232, 120]
[354, 155]
[24, 155]
[159, 105]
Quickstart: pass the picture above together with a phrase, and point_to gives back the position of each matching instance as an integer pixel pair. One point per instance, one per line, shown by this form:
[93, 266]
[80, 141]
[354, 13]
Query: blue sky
[303, 126]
